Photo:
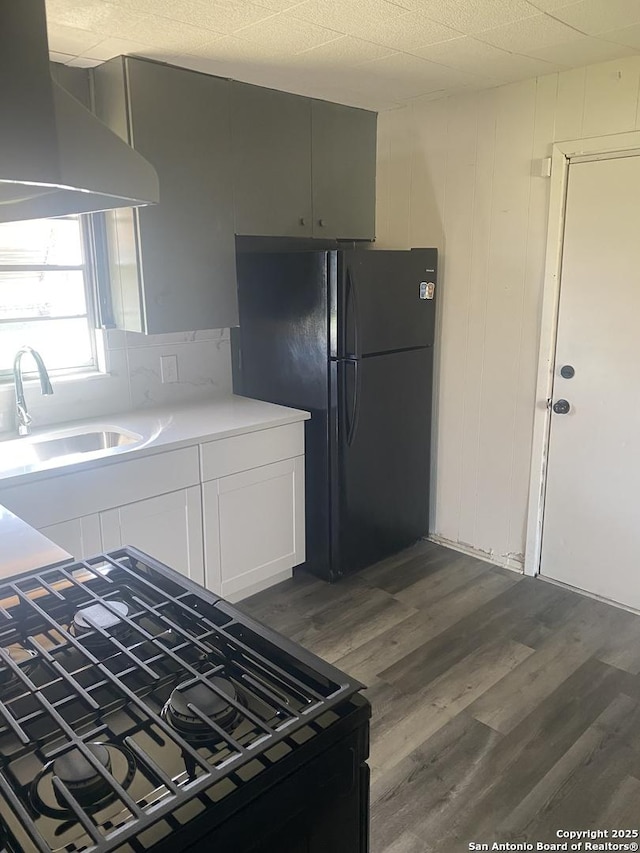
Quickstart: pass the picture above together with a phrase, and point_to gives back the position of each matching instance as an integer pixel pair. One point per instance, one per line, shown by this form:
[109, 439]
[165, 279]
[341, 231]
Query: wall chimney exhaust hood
[56, 157]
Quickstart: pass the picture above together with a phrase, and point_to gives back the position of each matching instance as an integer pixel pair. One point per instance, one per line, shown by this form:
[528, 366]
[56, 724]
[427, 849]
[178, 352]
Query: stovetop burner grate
[145, 633]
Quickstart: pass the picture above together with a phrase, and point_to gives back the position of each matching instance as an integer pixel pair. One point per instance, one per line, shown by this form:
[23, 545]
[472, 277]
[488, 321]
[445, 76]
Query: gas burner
[177, 713]
[82, 779]
[26, 659]
[80, 776]
[103, 617]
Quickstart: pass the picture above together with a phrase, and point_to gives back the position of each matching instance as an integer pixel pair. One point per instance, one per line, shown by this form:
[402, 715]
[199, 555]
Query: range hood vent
[56, 157]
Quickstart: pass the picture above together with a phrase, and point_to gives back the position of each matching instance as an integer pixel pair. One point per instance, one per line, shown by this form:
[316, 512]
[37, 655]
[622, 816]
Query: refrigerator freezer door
[383, 301]
[383, 450]
[281, 357]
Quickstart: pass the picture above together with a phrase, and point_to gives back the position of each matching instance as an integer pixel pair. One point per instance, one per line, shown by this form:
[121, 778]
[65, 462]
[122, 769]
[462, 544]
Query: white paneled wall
[463, 174]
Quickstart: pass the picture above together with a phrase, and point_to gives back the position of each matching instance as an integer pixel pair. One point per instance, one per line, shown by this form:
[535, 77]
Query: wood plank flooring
[504, 708]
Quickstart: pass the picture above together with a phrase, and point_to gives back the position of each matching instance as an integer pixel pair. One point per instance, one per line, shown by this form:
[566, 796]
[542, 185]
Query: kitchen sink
[56, 447]
[52, 447]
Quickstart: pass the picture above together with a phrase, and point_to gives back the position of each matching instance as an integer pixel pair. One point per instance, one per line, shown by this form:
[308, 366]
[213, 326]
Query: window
[46, 293]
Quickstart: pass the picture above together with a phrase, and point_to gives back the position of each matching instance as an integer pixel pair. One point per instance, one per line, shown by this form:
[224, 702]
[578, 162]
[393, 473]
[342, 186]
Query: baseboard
[504, 562]
[258, 586]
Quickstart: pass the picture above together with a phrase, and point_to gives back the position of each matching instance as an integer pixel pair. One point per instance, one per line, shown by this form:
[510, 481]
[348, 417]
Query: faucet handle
[23, 418]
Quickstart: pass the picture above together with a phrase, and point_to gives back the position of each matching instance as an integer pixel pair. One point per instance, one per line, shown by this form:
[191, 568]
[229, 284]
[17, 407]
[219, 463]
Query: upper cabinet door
[173, 263]
[271, 134]
[180, 122]
[344, 171]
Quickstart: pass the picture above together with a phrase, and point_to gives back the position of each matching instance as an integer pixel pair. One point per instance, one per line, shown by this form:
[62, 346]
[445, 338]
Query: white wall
[132, 379]
[462, 174]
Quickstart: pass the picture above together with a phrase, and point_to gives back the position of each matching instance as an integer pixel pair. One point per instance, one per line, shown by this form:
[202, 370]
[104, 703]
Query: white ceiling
[370, 53]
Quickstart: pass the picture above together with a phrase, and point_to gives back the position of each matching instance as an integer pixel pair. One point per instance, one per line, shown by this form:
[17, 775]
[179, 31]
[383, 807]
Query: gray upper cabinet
[344, 171]
[271, 134]
[232, 158]
[172, 264]
[302, 168]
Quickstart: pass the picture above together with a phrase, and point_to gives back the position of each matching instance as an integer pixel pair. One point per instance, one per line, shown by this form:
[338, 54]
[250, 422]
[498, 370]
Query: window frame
[97, 296]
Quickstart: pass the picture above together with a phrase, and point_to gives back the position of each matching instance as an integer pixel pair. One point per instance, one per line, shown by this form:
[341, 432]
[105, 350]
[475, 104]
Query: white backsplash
[132, 378]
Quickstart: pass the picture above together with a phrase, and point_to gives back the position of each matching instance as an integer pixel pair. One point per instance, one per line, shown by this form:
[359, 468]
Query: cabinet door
[254, 527]
[271, 134]
[168, 527]
[81, 537]
[173, 264]
[344, 171]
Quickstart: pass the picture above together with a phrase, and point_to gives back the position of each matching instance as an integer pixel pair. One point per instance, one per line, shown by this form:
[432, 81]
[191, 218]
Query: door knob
[567, 371]
[561, 407]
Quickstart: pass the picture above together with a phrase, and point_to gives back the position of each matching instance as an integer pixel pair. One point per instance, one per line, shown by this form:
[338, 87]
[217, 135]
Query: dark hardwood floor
[504, 708]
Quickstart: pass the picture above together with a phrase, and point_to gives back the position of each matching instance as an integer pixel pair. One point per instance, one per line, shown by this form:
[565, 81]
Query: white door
[167, 527]
[591, 532]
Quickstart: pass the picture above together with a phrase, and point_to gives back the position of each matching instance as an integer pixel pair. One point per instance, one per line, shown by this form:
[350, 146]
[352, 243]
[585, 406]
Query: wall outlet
[169, 368]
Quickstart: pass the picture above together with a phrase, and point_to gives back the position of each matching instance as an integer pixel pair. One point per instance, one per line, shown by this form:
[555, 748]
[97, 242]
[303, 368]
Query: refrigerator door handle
[355, 407]
[352, 303]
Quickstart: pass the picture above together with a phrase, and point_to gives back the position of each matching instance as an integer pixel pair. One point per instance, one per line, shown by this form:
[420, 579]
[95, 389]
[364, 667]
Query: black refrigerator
[348, 336]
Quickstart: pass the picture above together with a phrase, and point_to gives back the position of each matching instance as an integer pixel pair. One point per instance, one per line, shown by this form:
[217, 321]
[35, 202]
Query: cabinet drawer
[75, 495]
[251, 450]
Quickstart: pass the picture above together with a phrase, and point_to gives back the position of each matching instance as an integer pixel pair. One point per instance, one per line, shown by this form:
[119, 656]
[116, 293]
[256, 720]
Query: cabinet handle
[321, 223]
[303, 221]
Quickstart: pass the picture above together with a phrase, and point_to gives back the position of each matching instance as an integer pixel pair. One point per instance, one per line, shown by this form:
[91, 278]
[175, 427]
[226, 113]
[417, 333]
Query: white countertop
[23, 548]
[159, 429]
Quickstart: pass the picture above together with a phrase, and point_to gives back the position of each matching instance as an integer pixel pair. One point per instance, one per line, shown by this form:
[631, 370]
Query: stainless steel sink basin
[86, 442]
[57, 447]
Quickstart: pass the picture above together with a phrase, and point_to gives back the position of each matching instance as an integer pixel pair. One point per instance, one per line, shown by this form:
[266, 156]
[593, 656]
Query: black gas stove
[140, 712]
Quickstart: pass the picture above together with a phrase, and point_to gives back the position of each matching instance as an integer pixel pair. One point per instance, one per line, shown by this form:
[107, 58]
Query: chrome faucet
[23, 418]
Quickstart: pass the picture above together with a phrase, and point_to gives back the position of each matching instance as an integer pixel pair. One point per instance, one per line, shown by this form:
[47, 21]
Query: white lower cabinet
[254, 527]
[80, 536]
[167, 527]
[228, 513]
